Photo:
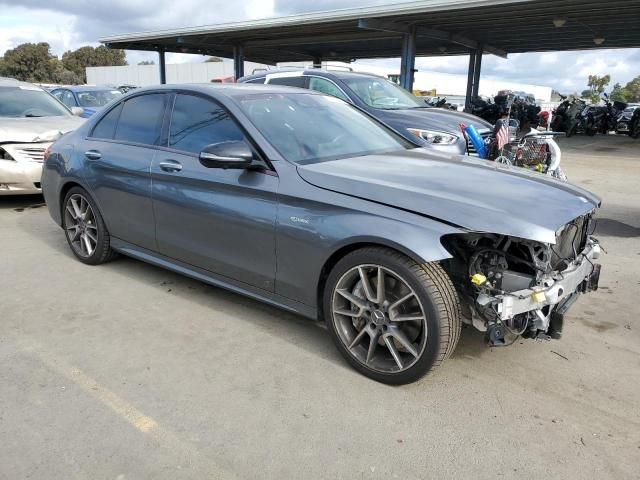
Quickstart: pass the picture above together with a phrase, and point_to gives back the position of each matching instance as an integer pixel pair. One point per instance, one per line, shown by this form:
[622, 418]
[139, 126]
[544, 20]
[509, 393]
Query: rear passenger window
[197, 122]
[106, 127]
[141, 119]
[289, 81]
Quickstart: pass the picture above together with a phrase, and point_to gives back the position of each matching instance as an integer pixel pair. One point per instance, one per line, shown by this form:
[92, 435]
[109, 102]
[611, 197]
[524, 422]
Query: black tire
[103, 252]
[436, 294]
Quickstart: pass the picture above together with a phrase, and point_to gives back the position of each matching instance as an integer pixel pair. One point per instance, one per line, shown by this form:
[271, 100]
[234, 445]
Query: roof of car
[311, 71]
[86, 88]
[225, 89]
[12, 82]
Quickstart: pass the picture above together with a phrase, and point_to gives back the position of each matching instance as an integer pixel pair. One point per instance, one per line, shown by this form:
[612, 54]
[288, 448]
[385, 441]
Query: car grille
[30, 152]
[33, 153]
[570, 242]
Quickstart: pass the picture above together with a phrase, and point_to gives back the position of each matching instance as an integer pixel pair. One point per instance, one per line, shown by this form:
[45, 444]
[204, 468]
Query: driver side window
[68, 99]
[197, 122]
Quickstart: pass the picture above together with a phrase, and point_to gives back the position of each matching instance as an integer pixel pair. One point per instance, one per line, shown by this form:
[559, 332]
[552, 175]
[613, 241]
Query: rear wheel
[85, 229]
[390, 317]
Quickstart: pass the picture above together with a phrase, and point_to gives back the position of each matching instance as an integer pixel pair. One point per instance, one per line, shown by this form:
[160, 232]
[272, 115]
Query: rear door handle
[93, 154]
[170, 166]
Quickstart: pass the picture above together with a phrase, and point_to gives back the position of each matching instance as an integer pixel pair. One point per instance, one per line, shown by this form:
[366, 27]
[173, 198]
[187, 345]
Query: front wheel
[391, 318]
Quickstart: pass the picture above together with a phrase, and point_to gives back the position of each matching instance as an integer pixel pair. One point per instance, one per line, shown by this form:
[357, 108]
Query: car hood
[473, 194]
[37, 129]
[437, 119]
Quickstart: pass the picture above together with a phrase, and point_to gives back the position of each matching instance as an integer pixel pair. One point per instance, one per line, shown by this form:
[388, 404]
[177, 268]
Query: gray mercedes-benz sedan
[302, 201]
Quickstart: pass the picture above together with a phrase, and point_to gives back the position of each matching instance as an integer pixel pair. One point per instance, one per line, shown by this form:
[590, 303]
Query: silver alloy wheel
[80, 225]
[379, 318]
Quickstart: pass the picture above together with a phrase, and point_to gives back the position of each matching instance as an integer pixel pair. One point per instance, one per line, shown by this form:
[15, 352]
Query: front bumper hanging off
[581, 276]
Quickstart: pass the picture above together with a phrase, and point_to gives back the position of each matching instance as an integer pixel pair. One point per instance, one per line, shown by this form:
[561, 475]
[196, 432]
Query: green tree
[147, 62]
[30, 62]
[632, 90]
[597, 86]
[76, 61]
[213, 59]
[618, 93]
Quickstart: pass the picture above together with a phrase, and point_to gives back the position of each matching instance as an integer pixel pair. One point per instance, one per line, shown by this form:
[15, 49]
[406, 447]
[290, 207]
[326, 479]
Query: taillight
[47, 152]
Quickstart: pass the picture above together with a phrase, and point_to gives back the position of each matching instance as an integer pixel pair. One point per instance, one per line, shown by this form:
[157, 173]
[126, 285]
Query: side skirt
[206, 276]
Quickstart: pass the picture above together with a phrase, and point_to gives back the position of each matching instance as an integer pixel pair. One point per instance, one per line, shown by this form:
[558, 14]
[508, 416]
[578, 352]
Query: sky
[70, 24]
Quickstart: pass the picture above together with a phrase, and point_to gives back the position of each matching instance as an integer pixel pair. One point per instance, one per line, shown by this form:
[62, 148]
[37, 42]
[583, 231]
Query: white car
[30, 120]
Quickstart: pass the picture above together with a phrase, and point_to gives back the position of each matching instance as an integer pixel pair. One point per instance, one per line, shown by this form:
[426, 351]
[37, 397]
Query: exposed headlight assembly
[434, 137]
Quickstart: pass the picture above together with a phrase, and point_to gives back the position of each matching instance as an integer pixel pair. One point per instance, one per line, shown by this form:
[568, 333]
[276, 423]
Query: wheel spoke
[406, 318]
[399, 302]
[76, 207]
[404, 341]
[394, 351]
[357, 301]
[373, 343]
[75, 230]
[361, 334]
[93, 238]
[380, 287]
[366, 285]
[72, 212]
[87, 244]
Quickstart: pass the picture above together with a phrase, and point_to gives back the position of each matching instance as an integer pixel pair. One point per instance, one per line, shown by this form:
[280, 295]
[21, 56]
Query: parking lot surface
[127, 371]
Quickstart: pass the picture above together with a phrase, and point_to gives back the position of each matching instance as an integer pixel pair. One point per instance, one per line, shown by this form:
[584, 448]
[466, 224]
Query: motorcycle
[566, 117]
[601, 118]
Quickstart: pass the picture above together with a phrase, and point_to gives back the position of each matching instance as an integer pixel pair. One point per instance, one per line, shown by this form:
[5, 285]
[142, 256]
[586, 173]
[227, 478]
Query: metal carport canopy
[425, 28]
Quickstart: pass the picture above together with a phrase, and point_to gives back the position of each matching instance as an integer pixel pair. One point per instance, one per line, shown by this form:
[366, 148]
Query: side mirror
[233, 154]
[77, 111]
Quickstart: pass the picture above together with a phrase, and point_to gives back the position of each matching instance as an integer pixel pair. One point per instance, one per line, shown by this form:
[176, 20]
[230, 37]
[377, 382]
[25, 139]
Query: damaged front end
[511, 287]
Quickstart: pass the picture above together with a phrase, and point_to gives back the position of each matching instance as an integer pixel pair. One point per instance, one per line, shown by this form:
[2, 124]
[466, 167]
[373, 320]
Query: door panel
[119, 171]
[216, 219]
[120, 181]
[219, 220]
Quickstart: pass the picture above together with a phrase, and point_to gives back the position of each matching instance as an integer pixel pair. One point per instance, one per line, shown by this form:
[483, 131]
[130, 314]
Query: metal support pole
[470, 78]
[163, 67]
[408, 59]
[238, 62]
[476, 74]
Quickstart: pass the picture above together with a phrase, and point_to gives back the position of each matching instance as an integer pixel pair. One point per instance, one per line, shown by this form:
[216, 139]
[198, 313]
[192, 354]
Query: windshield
[97, 98]
[381, 93]
[306, 128]
[16, 102]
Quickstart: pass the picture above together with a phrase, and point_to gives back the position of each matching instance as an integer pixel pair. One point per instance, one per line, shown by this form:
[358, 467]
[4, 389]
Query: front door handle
[93, 154]
[170, 166]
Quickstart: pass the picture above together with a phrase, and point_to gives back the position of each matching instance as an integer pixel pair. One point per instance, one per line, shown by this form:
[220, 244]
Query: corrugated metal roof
[444, 27]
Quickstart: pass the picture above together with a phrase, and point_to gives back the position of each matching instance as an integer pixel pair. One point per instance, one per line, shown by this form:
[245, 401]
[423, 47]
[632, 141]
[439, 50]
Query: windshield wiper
[33, 115]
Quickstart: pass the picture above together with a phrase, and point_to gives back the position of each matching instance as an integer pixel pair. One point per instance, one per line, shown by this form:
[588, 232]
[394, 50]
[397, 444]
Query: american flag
[502, 137]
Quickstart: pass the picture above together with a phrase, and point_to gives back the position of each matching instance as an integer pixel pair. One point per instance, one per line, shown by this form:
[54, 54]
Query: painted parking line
[188, 455]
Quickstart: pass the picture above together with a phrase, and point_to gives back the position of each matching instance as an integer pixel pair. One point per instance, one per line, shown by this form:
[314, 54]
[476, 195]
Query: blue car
[91, 99]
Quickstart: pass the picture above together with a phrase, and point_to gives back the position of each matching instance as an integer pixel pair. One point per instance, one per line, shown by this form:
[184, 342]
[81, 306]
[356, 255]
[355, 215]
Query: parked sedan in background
[30, 119]
[409, 115]
[90, 99]
[624, 119]
[301, 200]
